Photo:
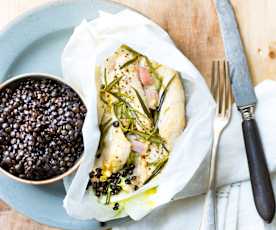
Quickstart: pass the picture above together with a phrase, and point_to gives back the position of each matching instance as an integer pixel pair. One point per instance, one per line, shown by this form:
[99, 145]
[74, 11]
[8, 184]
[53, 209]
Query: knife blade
[246, 102]
[242, 88]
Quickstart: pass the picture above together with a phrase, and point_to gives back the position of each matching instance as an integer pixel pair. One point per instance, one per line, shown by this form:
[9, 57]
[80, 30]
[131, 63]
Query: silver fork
[221, 90]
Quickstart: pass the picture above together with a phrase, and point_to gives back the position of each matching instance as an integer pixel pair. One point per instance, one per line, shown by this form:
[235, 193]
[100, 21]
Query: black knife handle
[259, 174]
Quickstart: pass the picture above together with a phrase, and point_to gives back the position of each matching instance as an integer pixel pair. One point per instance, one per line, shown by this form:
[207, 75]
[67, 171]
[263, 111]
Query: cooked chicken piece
[171, 123]
[146, 163]
[116, 149]
[129, 81]
[172, 115]
[131, 89]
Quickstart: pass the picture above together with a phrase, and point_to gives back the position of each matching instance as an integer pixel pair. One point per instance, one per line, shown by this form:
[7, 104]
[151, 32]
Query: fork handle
[208, 221]
[259, 174]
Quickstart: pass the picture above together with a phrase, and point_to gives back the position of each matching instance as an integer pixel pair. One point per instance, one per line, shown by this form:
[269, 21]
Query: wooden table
[193, 26]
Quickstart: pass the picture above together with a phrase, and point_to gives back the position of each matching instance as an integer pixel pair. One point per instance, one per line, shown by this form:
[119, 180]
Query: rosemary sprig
[118, 97]
[158, 79]
[129, 62]
[113, 83]
[108, 196]
[121, 94]
[131, 158]
[165, 92]
[157, 170]
[138, 112]
[153, 138]
[164, 147]
[162, 98]
[147, 112]
[156, 139]
[116, 109]
[105, 78]
[133, 110]
[105, 127]
[130, 49]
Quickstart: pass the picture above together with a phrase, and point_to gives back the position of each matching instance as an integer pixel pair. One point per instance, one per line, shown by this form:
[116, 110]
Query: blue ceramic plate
[34, 43]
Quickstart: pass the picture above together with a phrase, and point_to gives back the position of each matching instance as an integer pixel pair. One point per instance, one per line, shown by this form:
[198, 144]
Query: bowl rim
[77, 163]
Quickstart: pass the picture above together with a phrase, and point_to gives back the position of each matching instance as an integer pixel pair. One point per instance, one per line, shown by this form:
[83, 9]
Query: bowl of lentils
[41, 119]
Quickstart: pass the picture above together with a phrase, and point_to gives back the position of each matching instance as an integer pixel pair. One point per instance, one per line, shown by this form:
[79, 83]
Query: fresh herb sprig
[104, 129]
[158, 169]
[144, 107]
[132, 60]
[161, 101]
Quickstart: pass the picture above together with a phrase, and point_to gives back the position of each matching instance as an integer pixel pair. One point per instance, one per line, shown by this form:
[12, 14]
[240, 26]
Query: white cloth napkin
[236, 209]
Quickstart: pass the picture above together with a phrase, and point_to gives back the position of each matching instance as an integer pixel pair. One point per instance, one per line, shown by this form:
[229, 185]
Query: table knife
[246, 102]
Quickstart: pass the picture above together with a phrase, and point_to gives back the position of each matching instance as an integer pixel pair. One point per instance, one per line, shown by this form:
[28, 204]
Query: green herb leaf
[164, 147]
[103, 134]
[113, 83]
[156, 139]
[164, 93]
[129, 62]
[118, 97]
[117, 110]
[130, 49]
[131, 158]
[147, 112]
[162, 98]
[157, 170]
[133, 111]
[153, 138]
[157, 78]
[105, 78]
[107, 201]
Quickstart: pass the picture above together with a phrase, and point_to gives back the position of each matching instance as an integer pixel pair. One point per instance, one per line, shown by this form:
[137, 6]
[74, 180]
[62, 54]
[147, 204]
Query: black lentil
[131, 166]
[116, 206]
[36, 118]
[128, 181]
[112, 184]
[124, 173]
[116, 124]
[102, 224]
[92, 174]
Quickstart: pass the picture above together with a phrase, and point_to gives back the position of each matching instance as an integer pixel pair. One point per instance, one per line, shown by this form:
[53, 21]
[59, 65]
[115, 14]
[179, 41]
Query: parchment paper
[89, 45]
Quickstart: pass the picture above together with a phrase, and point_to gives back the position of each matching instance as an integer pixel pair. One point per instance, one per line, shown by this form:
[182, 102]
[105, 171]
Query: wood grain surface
[193, 26]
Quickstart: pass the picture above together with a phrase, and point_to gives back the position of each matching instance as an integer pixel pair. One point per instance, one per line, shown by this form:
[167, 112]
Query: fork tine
[229, 98]
[215, 83]
[221, 87]
[213, 77]
[224, 88]
[218, 88]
